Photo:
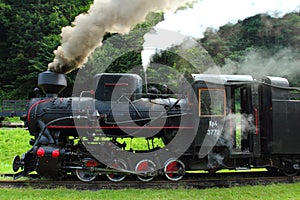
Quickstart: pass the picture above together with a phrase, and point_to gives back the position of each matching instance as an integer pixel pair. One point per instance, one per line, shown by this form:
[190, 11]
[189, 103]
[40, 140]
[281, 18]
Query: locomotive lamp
[51, 83]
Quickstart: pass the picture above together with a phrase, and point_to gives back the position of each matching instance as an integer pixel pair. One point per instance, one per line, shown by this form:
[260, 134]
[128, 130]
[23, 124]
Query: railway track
[199, 181]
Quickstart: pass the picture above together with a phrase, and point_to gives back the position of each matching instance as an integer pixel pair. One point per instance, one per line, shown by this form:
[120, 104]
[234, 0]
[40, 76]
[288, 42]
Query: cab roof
[222, 79]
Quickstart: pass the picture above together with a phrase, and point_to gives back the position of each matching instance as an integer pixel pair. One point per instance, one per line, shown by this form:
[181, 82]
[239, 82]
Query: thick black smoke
[104, 16]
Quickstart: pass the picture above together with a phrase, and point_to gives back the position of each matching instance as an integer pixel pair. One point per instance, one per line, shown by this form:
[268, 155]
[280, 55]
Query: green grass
[12, 142]
[140, 143]
[12, 119]
[278, 191]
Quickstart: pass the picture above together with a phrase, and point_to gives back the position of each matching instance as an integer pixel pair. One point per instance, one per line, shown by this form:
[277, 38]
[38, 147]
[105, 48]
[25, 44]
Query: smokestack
[51, 83]
[104, 16]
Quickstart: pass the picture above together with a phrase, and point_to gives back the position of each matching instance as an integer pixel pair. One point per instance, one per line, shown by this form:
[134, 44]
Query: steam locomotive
[216, 122]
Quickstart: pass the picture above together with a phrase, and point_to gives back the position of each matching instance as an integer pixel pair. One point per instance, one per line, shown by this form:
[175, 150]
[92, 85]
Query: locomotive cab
[228, 119]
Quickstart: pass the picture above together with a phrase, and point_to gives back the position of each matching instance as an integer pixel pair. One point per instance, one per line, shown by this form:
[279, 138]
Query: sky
[211, 13]
[215, 13]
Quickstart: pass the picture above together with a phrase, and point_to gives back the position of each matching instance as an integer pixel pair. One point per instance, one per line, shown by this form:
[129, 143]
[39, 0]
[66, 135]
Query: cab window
[211, 102]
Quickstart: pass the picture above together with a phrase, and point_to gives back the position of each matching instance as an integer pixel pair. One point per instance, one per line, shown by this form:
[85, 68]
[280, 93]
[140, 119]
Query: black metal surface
[111, 87]
[286, 126]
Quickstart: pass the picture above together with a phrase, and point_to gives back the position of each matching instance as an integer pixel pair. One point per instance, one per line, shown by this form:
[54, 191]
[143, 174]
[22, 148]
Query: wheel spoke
[117, 176]
[146, 170]
[174, 169]
[86, 175]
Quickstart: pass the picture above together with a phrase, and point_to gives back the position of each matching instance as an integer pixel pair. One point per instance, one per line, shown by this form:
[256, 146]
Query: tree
[29, 33]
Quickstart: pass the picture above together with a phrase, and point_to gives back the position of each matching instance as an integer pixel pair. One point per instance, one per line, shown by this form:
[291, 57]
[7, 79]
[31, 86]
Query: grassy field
[12, 119]
[280, 191]
[12, 142]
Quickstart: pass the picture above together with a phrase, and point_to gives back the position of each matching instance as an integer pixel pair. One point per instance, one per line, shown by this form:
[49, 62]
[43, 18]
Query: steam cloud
[258, 63]
[212, 14]
[245, 126]
[81, 39]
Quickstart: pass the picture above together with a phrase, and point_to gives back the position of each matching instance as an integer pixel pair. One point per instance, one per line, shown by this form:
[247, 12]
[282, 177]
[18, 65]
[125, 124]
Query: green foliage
[233, 41]
[30, 31]
[232, 44]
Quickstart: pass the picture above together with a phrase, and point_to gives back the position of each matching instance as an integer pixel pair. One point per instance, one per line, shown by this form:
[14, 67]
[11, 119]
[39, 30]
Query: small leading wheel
[86, 175]
[174, 169]
[16, 163]
[145, 170]
[118, 175]
[289, 169]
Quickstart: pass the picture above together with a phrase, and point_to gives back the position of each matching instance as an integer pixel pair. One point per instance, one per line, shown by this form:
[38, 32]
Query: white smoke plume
[193, 22]
[88, 29]
[259, 63]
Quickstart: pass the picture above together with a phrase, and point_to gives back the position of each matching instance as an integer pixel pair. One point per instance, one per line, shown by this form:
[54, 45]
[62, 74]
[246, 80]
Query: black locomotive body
[218, 122]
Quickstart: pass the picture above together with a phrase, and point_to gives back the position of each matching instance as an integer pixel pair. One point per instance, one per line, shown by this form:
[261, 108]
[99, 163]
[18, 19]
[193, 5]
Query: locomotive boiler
[217, 122]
